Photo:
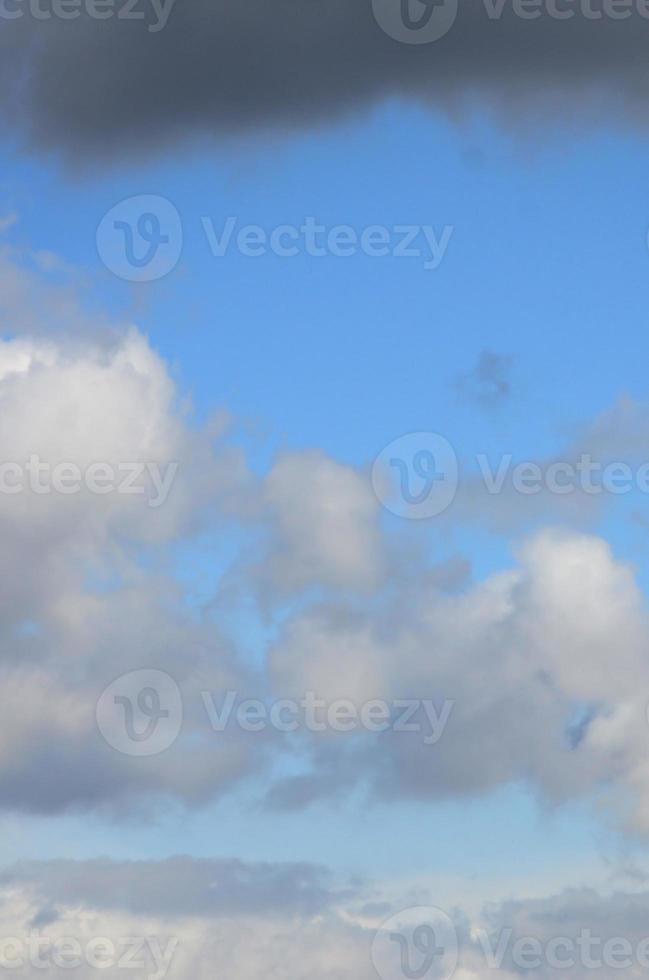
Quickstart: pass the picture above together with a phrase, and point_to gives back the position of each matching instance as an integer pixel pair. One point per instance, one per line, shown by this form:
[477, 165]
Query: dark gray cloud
[107, 87]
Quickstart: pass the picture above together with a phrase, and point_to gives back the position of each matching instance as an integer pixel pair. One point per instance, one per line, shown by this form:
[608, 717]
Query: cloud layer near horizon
[183, 917]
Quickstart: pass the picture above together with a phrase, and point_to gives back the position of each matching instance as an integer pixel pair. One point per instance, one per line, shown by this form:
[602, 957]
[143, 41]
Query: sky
[322, 377]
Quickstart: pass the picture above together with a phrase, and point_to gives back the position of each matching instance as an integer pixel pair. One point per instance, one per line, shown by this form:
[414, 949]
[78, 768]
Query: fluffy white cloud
[87, 589]
[542, 668]
[544, 665]
[325, 521]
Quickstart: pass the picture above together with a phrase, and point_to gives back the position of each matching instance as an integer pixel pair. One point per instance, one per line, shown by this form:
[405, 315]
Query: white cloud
[541, 662]
[545, 663]
[326, 525]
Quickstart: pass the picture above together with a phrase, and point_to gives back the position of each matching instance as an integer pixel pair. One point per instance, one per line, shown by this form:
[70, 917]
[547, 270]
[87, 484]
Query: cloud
[178, 886]
[188, 914]
[544, 666]
[574, 487]
[525, 656]
[219, 68]
[325, 521]
[598, 932]
[487, 384]
[88, 592]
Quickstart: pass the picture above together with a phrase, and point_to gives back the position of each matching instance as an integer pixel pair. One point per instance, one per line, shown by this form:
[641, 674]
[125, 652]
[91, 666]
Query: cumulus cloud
[325, 521]
[542, 664]
[525, 658]
[534, 675]
[82, 601]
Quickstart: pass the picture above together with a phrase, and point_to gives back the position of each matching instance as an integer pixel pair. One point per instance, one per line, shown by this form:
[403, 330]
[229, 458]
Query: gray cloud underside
[176, 886]
[211, 911]
[220, 67]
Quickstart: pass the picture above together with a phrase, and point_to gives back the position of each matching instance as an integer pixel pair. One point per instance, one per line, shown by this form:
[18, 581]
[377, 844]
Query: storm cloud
[147, 75]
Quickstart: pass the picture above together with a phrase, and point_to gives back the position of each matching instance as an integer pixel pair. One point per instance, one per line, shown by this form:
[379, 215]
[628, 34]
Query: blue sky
[548, 246]
[274, 559]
